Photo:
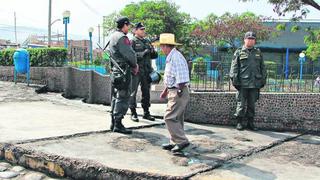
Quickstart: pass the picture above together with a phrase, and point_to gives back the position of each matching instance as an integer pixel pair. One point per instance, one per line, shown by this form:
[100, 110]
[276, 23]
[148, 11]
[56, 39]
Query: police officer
[123, 63]
[248, 75]
[145, 52]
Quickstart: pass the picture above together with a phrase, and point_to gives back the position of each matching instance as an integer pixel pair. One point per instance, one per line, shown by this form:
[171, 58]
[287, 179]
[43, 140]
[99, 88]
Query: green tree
[229, 29]
[162, 16]
[299, 7]
[109, 24]
[313, 42]
[281, 7]
[159, 16]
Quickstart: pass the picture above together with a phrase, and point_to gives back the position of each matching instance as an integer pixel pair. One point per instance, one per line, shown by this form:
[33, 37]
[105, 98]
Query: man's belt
[172, 87]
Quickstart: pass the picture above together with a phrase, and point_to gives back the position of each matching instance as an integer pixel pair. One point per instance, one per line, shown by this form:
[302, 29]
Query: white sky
[87, 13]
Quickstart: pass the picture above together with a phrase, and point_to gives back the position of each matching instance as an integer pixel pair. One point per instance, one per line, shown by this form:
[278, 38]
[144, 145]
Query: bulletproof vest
[113, 47]
[250, 67]
[139, 46]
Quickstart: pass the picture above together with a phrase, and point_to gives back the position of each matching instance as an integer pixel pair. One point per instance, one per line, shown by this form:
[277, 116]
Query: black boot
[134, 115]
[147, 115]
[112, 123]
[239, 125]
[250, 124]
[119, 128]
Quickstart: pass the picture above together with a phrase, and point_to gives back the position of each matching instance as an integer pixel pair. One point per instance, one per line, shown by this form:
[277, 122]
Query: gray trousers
[246, 98]
[141, 80]
[120, 103]
[174, 115]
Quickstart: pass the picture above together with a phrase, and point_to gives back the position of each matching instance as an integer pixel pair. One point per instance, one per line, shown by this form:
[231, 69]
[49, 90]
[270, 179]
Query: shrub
[199, 66]
[41, 57]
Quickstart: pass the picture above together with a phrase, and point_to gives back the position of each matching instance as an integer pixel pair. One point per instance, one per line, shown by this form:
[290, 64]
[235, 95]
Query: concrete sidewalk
[27, 115]
[70, 139]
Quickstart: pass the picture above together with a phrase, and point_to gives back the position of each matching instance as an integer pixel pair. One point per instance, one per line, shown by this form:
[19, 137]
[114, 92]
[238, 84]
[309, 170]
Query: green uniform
[144, 52]
[121, 51]
[248, 75]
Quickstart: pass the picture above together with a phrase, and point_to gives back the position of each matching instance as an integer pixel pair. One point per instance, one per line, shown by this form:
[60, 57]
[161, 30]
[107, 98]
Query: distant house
[7, 44]
[275, 48]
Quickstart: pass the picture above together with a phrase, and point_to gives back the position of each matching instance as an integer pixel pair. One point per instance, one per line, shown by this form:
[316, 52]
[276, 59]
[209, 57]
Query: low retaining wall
[51, 76]
[88, 84]
[276, 111]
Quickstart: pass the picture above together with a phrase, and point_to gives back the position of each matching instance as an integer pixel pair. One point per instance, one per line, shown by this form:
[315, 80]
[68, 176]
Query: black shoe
[122, 130]
[119, 128]
[112, 123]
[239, 127]
[148, 117]
[134, 117]
[251, 126]
[179, 147]
[167, 146]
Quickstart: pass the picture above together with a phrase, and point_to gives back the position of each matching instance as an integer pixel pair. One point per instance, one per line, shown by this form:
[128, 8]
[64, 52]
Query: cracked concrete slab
[210, 146]
[297, 159]
[33, 123]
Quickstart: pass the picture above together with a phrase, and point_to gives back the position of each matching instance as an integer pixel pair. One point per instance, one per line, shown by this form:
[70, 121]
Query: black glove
[147, 51]
[238, 87]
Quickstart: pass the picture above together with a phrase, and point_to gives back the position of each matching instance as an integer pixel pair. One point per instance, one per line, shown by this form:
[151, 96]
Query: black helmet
[121, 21]
[155, 77]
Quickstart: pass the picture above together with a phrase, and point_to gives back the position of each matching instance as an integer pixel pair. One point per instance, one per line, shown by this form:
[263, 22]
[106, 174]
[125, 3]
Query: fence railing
[214, 76]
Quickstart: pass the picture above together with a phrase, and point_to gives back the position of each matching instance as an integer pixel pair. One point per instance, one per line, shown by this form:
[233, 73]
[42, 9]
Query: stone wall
[51, 76]
[276, 111]
[94, 87]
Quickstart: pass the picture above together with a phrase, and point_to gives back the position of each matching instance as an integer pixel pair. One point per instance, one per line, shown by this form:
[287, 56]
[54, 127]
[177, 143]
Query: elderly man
[176, 79]
[248, 75]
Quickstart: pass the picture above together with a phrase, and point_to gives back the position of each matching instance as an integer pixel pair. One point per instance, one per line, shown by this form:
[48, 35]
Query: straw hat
[167, 38]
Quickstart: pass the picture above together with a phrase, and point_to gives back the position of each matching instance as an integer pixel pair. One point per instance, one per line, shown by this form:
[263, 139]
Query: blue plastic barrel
[21, 61]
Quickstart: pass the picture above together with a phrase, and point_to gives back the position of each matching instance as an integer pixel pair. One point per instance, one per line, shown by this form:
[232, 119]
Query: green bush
[41, 57]
[270, 63]
[6, 57]
[98, 61]
[199, 66]
[79, 63]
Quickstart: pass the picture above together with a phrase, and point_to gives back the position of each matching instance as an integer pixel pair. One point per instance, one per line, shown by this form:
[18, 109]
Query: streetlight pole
[90, 36]
[66, 20]
[302, 59]
[49, 24]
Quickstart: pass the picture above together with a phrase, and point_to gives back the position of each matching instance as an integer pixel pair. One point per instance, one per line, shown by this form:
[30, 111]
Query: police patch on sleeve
[127, 41]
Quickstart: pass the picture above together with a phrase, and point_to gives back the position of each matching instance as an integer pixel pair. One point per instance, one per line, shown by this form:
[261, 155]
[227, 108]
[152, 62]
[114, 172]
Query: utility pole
[99, 32]
[49, 24]
[15, 28]
[103, 40]
[58, 36]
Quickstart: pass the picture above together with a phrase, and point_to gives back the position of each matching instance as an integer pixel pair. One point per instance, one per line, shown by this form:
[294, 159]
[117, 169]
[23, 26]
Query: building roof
[287, 39]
